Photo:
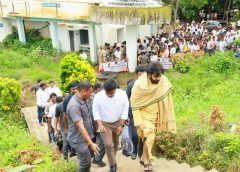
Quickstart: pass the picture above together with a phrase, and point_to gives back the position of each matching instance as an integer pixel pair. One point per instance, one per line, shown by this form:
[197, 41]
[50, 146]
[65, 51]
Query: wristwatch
[122, 125]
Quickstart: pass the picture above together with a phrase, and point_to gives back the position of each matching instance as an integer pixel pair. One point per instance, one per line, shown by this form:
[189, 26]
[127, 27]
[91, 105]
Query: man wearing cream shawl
[152, 108]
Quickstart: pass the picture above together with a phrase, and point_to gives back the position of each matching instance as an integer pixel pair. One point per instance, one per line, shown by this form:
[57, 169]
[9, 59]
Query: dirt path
[124, 163]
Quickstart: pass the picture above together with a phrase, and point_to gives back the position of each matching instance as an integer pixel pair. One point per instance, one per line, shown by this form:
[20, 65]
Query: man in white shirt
[117, 54]
[52, 89]
[110, 110]
[83, 55]
[51, 117]
[222, 45]
[153, 56]
[42, 98]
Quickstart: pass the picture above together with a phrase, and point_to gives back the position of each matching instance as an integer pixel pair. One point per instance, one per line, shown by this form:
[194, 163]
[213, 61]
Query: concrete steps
[125, 164]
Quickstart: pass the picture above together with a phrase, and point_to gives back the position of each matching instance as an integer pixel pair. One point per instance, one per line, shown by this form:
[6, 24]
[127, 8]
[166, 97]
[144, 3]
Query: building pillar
[5, 28]
[131, 43]
[21, 30]
[101, 35]
[92, 43]
[54, 35]
[154, 29]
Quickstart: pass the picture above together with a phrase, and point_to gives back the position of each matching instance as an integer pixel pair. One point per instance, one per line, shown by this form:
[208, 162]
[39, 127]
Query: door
[71, 36]
[84, 37]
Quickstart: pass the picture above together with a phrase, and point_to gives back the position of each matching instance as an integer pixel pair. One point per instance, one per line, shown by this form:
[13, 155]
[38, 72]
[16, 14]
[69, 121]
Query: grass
[25, 68]
[15, 137]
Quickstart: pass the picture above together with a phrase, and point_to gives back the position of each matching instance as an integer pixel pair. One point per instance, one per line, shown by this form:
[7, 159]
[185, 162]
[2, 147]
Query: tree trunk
[175, 10]
[228, 11]
[224, 10]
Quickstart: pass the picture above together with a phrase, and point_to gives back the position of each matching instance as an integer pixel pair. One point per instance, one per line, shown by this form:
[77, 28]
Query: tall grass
[23, 67]
[210, 81]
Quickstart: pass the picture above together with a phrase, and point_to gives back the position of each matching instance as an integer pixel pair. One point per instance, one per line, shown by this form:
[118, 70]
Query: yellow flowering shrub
[10, 94]
[73, 67]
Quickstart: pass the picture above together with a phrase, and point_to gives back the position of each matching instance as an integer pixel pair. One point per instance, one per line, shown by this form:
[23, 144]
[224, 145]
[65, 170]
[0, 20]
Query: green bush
[237, 42]
[35, 45]
[73, 67]
[223, 63]
[10, 94]
[182, 65]
[200, 147]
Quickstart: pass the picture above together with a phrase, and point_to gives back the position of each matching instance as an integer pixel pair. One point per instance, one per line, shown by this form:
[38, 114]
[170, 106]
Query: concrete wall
[143, 31]
[6, 28]
[64, 38]
[109, 34]
[45, 33]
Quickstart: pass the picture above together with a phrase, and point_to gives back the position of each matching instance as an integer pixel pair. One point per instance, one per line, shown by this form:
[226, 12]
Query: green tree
[190, 9]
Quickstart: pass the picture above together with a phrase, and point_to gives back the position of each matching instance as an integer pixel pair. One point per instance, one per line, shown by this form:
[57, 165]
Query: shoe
[41, 123]
[72, 153]
[99, 163]
[65, 156]
[113, 168]
[133, 156]
[148, 167]
[141, 162]
[124, 152]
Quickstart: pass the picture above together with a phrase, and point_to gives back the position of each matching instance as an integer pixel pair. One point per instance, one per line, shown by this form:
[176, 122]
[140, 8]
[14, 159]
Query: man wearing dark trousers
[66, 146]
[97, 159]
[80, 133]
[137, 145]
[42, 99]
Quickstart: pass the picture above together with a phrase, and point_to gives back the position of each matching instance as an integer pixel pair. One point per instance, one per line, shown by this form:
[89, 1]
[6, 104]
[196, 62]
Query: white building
[68, 23]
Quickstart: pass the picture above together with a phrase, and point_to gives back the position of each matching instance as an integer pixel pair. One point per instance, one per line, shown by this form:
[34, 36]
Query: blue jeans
[137, 142]
[101, 147]
[40, 113]
[51, 136]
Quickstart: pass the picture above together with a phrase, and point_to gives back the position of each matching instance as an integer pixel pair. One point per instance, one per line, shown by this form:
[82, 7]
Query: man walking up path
[110, 110]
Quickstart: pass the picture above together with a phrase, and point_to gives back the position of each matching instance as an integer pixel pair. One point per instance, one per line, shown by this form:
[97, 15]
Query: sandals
[148, 167]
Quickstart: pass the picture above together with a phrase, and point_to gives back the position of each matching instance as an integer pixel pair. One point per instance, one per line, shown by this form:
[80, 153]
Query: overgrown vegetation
[31, 61]
[35, 45]
[18, 147]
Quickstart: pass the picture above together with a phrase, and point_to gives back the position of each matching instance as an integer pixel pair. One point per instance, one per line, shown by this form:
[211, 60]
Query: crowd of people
[195, 38]
[89, 120]
[108, 53]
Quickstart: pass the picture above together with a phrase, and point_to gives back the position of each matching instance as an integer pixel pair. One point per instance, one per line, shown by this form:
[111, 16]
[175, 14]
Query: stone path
[124, 163]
